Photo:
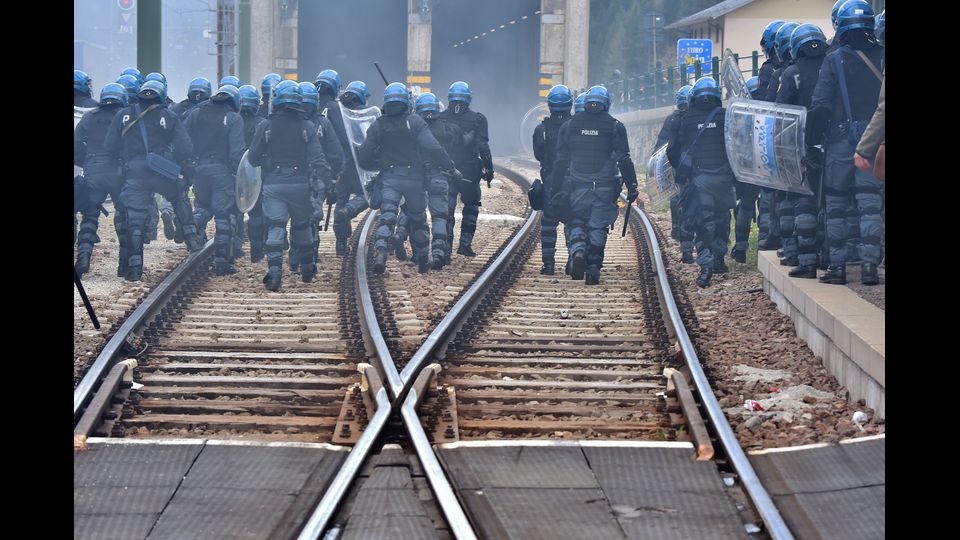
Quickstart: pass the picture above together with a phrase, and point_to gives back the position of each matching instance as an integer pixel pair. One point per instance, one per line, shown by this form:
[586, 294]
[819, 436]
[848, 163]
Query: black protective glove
[632, 194]
[332, 192]
[487, 174]
[454, 174]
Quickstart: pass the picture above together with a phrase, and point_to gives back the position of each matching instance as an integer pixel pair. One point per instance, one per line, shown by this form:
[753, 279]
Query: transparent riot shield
[249, 182]
[661, 184]
[356, 123]
[764, 144]
[78, 113]
[529, 123]
[733, 78]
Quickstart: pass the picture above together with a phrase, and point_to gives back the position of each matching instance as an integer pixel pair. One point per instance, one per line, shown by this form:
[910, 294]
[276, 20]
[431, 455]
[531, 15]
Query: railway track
[516, 355]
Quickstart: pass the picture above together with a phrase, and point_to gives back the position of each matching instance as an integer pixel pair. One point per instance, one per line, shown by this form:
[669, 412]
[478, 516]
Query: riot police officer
[270, 81]
[332, 150]
[676, 211]
[256, 225]
[753, 86]
[698, 154]
[288, 147]
[808, 45]
[101, 176]
[843, 102]
[145, 127]
[767, 222]
[349, 195]
[747, 195]
[452, 140]
[198, 92]
[475, 164]
[82, 90]
[401, 146]
[783, 227]
[230, 80]
[216, 128]
[590, 149]
[157, 76]
[768, 44]
[559, 101]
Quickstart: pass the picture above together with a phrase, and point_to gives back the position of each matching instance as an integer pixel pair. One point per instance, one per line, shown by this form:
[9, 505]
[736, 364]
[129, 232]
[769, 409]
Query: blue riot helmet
[854, 14]
[683, 97]
[153, 90]
[81, 82]
[806, 33]
[287, 93]
[156, 76]
[355, 95]
[396, 93]
[328, 82]
[130, 84]
[230, 94]
[559, 99]
[135, 72]
[597, 99]
[753, 84]
[880, 28]
[782, 40]
[834, 11]
[199, 89]
[269, 80]
[113, 94]
[249, 99]
[579, 102]
[230, 80]
[428, 105]
[310, 95]
[705, 87]
[459, 91]
[769, 32]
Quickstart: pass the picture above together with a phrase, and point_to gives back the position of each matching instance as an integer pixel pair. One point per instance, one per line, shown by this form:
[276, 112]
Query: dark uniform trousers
[257, 228]
[707, 214]
[746, 212]
[350, 202]
[215, 190]
[677, 231]
[437, 204]
[407, 183]
[286, 196]
[469, 193]
[848, 187]
[138, 190]
[593, 205]
[102, 176]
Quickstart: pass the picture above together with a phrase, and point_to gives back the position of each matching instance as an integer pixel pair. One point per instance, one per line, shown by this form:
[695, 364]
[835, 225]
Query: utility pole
[148, 36]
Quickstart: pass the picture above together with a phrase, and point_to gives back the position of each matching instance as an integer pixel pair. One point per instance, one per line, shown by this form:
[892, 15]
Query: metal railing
[658, 88]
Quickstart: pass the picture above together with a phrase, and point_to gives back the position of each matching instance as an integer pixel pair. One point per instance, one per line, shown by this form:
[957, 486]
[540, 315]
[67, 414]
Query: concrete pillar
[262, 27]
[564, 43]
[419, 33]
[149, 43]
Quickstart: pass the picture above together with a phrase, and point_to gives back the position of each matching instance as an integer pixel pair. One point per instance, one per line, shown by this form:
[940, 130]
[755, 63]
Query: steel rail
[145, 312]
[776, 526]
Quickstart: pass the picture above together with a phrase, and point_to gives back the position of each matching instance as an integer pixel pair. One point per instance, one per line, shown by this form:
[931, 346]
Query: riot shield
[660, 184]
[765, 145]
[529, 123]
[733, 78]
[356, 123]
[249, 182]
[78, 113]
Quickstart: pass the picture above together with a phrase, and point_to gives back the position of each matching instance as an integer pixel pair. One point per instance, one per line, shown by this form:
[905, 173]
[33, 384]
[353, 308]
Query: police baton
[626, 220]
[86, 301]
[326, 222]
[382, 76]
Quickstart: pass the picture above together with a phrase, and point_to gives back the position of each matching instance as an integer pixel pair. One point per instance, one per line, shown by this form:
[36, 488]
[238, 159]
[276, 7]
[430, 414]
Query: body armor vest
[210, 134]
[398, 146]
[287, 140]
[591, 141]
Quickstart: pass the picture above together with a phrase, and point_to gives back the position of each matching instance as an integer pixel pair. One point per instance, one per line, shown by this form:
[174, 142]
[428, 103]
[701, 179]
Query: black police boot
[566, 269]
[577, 266]
[868, 274]
[592, 277]
[341, 246]
[133, 273]
[703, 280]
[739, 255]
[194, 244]
[256, 253]
[686, 257]
[719, 267]
[790, 261]
[380, 261]
[780, 253]
[808, 271]
[308, 272]
[438, 259]
[223, 269]
[96, 238]
[178, 235]
[169, 229]
[836, 275]
[121, 270]
[466, 251]
[423, 263]
[399, 250]
[548, 268]
[768, 244]
[83, 263]
[294, 262]
[273, 279]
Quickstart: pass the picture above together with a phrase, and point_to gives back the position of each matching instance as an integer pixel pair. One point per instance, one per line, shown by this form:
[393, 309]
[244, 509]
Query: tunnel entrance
[501, 66]
[349, 37]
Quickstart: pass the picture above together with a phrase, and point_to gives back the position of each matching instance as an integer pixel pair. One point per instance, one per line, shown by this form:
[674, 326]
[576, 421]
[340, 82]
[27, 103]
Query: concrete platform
[845, 331]
[828, 490]
[198, 488]
[526, 489]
